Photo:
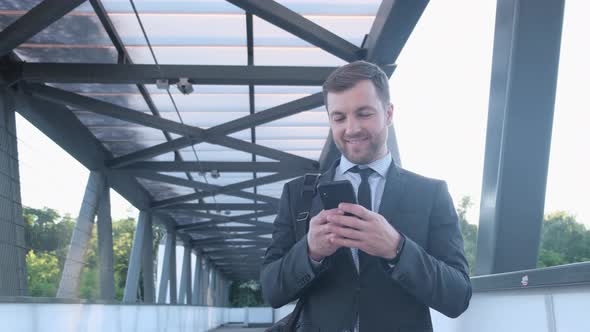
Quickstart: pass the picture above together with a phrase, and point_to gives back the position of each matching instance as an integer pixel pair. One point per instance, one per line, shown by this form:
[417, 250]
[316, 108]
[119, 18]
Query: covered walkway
[197, 113]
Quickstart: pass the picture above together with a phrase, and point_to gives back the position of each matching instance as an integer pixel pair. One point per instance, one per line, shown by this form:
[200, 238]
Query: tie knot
[363, 172]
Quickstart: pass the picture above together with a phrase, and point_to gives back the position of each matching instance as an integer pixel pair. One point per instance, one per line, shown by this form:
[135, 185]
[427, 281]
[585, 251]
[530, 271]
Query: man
[399, 253]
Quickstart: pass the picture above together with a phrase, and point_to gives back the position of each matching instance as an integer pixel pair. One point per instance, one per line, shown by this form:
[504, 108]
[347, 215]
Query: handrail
[555, 276]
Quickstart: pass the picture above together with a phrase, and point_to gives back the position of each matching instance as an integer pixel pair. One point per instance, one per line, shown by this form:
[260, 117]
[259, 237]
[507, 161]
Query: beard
[364, 154]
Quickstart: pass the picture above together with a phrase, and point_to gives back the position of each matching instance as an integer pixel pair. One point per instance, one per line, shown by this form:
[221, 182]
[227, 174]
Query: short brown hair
[350, 74]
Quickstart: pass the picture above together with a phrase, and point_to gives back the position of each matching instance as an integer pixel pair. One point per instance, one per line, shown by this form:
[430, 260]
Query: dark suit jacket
[432, 270]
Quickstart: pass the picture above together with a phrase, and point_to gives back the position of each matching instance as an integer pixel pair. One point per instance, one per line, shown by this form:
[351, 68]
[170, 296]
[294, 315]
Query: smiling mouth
[356, 141]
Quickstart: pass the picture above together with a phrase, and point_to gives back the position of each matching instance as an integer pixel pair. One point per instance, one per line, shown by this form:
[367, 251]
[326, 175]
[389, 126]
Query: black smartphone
[336, 192]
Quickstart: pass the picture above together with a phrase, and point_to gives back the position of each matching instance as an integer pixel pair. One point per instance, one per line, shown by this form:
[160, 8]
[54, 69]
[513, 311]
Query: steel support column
[147, 262]
[206, 284]
[522, 96]
[197, 280]
[132, 281]
[104, 228]
[70, 277]
[168, 276]
[13, 267]
[185, 292]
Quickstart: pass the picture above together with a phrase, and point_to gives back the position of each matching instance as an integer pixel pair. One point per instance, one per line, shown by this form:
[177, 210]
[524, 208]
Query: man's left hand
[366, 230]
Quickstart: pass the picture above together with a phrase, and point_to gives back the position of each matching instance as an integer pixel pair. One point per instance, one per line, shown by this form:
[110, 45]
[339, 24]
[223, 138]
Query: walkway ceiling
[210, 163]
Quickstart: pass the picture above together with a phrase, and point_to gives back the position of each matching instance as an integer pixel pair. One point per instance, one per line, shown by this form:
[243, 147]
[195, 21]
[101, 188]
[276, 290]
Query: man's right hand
[319, 243]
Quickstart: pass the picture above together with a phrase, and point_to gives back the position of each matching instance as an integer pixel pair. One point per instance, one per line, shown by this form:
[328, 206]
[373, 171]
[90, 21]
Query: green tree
[246, 294]
[43, 274]
[468, 231]
[563, 240]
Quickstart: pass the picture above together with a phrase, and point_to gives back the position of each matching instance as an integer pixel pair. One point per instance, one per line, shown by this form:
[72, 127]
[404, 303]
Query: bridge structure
[198, 112]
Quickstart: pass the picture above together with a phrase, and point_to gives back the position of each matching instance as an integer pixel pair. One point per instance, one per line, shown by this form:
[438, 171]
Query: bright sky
[440, 91]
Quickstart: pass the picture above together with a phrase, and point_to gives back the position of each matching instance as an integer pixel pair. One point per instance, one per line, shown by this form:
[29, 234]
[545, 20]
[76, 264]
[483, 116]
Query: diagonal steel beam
[223, 190]
[228, 242]
[123, 113]
[219, 206]
[301, 27]
[222, 238]
[392, 27]
[33, 22]
[235, 246]
[213, 223]
[115, 111]
[194, 227]
[259, 118]
[205, 166]
[209, 230]
[208, 189]
[258, 214]
[104, 73]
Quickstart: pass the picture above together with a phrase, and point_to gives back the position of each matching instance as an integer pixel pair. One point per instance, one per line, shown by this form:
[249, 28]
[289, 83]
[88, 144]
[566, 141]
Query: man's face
[359, 122]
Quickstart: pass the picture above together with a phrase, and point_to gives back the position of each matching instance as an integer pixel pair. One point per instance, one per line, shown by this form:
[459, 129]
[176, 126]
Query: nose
[352, 126]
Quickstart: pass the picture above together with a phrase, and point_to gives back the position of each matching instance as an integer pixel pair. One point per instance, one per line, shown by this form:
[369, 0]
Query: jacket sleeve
[438, 276]
[286, 270]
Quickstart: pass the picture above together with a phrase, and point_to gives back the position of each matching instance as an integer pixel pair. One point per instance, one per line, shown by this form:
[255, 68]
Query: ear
[389, 114]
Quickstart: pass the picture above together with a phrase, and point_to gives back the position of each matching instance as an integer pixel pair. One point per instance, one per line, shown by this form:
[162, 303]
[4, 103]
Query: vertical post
[147, 262]
[520, 119]
[168, 277]
[172, 265]
[206, 279]
[185, 292]
[132, 281]
[105, 244]
[197, 280]
[13, 267]
[70, 277]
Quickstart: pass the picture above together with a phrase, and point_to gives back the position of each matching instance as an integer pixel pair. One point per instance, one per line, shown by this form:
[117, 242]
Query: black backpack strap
[304, 203]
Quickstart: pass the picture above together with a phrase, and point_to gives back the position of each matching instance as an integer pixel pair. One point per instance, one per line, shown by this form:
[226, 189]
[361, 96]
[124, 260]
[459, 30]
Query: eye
[337, 118]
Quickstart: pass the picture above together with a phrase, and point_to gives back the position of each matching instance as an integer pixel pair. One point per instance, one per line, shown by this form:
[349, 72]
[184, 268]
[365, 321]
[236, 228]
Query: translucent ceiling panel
[231, 199]
[66, 54]
[186, 29]
[19, 5]
[190, 55]
[274, 46]
[176, 6]
[133, 101]
[195, 102]
[76, 37]
[182, 37]
[98, 89]
[224, 179]
[161, 191]
[265, 100]
[332, 7]
[226, 155]
[350, 27]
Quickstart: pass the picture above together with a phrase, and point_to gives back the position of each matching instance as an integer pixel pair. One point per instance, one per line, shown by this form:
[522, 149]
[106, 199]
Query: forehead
[362, 93]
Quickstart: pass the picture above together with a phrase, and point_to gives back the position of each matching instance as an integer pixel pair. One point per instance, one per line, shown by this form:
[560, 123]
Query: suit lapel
[392, 194]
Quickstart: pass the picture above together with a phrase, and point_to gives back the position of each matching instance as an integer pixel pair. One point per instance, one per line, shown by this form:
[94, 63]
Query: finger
[347, 221]
[358, 210]
[349, 243]
[347, 232]
[319, 218]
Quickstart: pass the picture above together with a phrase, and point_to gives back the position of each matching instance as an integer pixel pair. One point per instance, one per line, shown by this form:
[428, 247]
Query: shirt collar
[380, 166]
